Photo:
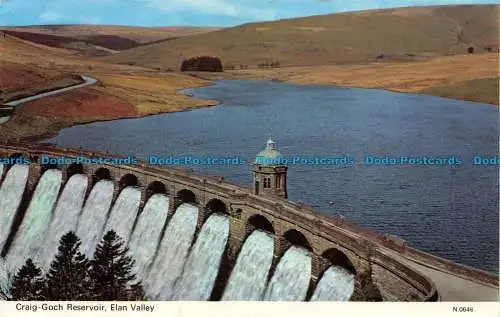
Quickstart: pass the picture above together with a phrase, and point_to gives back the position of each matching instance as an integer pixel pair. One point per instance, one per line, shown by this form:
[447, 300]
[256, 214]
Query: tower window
[267, 182]
[278, 181]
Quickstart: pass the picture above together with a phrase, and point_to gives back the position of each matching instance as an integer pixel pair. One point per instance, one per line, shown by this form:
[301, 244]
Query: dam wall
[328, 241]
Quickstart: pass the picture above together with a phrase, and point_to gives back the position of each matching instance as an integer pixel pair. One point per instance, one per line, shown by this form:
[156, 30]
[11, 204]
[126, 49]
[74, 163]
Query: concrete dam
[193, 237]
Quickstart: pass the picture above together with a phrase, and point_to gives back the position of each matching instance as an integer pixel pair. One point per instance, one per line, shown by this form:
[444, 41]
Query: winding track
[88, 82]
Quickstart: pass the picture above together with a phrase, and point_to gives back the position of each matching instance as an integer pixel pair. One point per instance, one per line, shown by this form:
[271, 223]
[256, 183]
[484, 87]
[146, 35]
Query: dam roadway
[400, 272]
[452, 286]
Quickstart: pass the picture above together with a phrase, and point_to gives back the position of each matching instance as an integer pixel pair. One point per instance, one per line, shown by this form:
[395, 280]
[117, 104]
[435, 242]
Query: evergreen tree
[137, 292]
[28, 284]
[111, 271]
[68, 277]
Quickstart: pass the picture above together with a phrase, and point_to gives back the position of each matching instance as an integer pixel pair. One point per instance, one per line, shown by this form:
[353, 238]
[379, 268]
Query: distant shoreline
[27, 128]
[439, 76]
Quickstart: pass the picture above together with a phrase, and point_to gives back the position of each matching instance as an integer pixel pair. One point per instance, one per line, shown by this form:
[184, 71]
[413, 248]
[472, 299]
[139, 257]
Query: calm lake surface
[450, 211]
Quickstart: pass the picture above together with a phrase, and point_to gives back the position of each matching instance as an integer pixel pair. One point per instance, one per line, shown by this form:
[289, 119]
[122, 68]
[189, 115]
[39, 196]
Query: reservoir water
[450, 211]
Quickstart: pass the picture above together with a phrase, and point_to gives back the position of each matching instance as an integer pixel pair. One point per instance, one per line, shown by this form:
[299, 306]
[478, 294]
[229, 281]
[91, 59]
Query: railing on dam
[369, 243]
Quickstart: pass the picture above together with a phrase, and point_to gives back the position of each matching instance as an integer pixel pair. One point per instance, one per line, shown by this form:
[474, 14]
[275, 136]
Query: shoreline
[211, 79]
[440, 76]
[52, 125]
[348, 87]
[53, 133]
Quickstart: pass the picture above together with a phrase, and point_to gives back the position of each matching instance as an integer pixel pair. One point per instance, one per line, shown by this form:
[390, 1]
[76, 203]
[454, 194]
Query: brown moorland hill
[100, 45]
[21, 74]
[104, 41]
[122, 91]
[11, 46]
[353, 37]
[98, 33]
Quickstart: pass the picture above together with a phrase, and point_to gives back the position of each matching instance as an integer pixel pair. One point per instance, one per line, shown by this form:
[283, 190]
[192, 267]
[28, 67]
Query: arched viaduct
[330, 240]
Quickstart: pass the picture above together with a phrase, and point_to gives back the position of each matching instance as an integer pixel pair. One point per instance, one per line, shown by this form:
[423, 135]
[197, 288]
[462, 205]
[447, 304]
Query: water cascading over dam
[147, 233]
[252, 268]
[173, 261]
[11, 194]
[291, 279]
[37, 219]
[337, 284]
[93, 218]
[202, 264]
[172, 253]
[122, 216]
[65, 218]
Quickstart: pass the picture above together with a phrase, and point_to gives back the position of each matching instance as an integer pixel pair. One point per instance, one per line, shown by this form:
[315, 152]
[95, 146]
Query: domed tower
[269, 172]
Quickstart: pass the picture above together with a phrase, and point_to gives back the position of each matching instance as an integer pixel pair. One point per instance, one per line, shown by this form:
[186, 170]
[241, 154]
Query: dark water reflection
[449, 211]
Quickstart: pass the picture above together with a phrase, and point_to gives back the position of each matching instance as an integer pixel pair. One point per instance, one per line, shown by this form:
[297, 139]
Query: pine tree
[68, 278]
[111, 271]
[28, 284]
[137, 292]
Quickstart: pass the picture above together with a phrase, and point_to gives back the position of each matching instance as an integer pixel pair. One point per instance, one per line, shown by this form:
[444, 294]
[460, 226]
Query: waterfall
[172, 253]
[291, 278]
[1, 173]
[202, 266]
[123, 214]
[337, 284]
[6, 275]
[249, 276]
[146, 235]
[36, 220]
[11, 194]
[93, 218]
[65, 218]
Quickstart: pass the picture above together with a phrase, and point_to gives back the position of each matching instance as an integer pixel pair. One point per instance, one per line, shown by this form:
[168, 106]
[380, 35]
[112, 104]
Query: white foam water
[336, 284]
[146, 236]
[124, 211]
[249, 276]
[6, 275]
[11, 193]
[202, 266]
[65, 218]
[93, 218]
[172, 253]
[36, 220]
[291, 278]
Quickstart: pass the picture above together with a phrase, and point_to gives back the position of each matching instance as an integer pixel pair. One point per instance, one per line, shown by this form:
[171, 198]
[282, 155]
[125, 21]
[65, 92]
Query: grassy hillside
[96, 40]
[472, 77]
[95, 32]
[480, 90]
[354, 37]
[21, 75]
[98, 45]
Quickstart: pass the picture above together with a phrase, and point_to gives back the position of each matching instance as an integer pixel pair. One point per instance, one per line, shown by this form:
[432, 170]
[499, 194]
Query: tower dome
[270, 155]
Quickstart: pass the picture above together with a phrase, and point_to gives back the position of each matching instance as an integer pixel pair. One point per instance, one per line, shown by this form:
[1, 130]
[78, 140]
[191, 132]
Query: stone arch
[334, 256]
[73, 169]
[7, 166]
[16, 155]
[215, 205]
[155, 187]
[48, 166]
[296, 238]
[128, 180]
[258, 222]
[101, 174]
[184, 196]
